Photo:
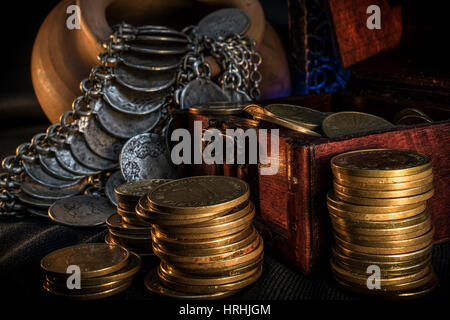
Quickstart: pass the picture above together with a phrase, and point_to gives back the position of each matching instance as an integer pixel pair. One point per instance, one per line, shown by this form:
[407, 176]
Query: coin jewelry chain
[124, 110]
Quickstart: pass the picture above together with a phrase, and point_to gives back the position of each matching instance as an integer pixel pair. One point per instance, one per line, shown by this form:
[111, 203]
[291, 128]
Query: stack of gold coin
[89, 271]
[203, 234]
[382, 228]
[125, 227]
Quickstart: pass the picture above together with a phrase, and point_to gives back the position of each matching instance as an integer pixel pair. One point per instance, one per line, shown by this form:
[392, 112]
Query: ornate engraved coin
[145, 157]
[81, 211]
[223, 23]
[349, 122]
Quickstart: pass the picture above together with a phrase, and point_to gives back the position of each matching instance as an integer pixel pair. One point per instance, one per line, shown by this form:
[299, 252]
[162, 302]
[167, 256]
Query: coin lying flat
[382, 193]
[305, 117]
[145, 157]
[153, 284]
[385, 201]
[116, 223]
[349, 122]
[202, 194]
[380, 163]
[32, 201]
[409, 112]
[385, 186]
[133, 191]
[93, 259]
[383, 180]
[81, 211]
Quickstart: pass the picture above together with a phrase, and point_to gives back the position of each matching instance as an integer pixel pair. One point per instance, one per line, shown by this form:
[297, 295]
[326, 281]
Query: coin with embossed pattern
[306, 117]
[81, 211]
[133, 191]
[350, 122]
[223, 23]
[145, 156]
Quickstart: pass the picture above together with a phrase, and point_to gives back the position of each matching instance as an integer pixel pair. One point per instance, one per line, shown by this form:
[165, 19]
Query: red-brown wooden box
[291, 205]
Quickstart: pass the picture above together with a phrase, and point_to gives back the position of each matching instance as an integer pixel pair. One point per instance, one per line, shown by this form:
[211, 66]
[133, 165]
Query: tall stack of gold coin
[203, 234]
[125, 227]
[89, 271]
[380, 220]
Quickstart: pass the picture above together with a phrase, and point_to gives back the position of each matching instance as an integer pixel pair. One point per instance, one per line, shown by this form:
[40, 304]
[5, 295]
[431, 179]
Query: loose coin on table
[305, 117]
[81, 211]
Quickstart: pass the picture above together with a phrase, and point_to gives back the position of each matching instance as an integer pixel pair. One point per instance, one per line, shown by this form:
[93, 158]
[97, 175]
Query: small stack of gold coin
[89, 271]
[380, 220]
[125, 227]
[203, 234]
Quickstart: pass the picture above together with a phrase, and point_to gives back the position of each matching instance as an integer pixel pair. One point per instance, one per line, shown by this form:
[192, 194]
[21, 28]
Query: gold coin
[359, 264]
[232, 247]
[218, 108]
[195, 280]
[202, 289]
[62, 286]
[126, 272]
[366, 209]
[242, 257]
[384, 243]
[406, 289]
[246, 219]
[89, 296]
[351, 122]
[258, 113]
[305, 117]
[419, 292]
[360, 279]
[136, 221]
[425, 225]
[115, 223]
[179, 257]
[349, 224]
[354, 237]
[384, 202]
[407, 112]
[127, 206]
[349, 179]
[132, 191]
[93, 259]
[348, 215]
[203, 236]
[382, 194]
[126, 213]
[384, 186]
[237, 212]
[237, 270]
[198, 195]
[151, 215]
[153, 284]
[178, 244]
[380, 163]
[385, 257]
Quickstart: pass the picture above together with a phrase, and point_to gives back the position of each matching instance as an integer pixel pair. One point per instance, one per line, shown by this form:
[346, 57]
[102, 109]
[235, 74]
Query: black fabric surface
[24, 242]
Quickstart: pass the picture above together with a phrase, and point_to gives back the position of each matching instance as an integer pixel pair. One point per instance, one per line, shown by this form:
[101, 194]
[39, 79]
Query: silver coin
[201, 91]
[38, 212]
[35, 172]
[51, 165]
[40, 191]
[123, 125]
[116, 179]
[237, 96]
[223, 23]
[67, 161]
[145, 157]
[150, 62]
[154, 30]
[84, 154]
[162, 50]
[102, 143]
[133, 102]
[32, 201]
[81, 211]
[161, 40]
[141, 80]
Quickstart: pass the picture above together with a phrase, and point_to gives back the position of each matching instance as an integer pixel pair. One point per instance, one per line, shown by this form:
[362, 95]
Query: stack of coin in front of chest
[382, 228]
[125, 227]
[203, 234]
